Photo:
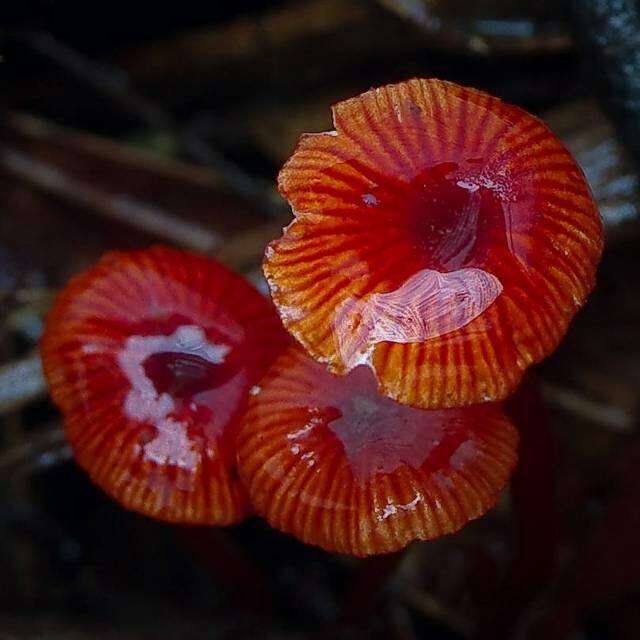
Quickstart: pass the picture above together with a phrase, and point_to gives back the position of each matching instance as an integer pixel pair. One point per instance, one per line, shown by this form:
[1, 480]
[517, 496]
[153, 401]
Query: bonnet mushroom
[150, 355]
[442, 237]
[338, 465]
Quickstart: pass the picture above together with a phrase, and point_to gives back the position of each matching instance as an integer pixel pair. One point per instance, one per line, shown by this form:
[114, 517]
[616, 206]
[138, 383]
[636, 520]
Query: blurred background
[124, 125]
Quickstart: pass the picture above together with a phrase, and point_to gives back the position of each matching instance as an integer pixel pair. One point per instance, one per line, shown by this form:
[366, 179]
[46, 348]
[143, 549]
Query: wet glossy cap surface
[150, 355]
[331, 461]
[441, 236]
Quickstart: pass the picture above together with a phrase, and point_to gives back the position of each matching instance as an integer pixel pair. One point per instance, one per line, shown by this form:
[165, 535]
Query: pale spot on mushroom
[445, 480]
[91, 349]
[429, 304]
[273, 466]
[464, 454]
[391, 509]
[378, 434]
[469, 186]
[291, 313]
[171, 444]
[306, 429]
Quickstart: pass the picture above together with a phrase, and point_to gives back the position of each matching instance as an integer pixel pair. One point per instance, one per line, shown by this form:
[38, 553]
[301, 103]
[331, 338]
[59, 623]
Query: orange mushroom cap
[338, 465]
[150, 356]
[441, 236]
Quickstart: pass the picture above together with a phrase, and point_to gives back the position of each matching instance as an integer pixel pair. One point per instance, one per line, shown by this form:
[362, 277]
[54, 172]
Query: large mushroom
[442, 237]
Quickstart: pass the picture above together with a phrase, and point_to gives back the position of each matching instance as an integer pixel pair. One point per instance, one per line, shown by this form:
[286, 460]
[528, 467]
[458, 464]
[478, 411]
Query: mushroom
[150, 356]
[338, 465]
[442, 237]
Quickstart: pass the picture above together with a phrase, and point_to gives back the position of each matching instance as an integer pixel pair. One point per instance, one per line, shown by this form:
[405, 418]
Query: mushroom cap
[441, 236]
[338, 465]
[150, 355]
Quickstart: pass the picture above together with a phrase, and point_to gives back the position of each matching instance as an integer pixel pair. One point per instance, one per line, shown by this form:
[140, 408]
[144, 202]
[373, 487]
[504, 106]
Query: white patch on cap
[427, 305]
[143, 403]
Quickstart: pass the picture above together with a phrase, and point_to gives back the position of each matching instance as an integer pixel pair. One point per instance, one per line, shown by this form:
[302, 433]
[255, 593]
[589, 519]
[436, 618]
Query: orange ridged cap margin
[150, 356]
[441, 236]
[332, 462]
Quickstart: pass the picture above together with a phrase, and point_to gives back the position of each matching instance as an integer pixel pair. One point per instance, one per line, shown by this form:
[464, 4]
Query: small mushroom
[338, 465]
[150, 356]
[442, 237]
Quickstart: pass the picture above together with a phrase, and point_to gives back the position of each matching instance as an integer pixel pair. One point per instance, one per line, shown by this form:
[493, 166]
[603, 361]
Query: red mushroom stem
[241, 578]
[367, 585]
[534, 509]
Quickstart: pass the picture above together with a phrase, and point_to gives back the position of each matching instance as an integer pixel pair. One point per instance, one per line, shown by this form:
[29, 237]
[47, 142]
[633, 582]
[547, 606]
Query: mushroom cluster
[442, 243]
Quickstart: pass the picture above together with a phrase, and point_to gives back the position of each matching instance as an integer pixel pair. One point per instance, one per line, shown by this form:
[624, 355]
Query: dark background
[127, 124]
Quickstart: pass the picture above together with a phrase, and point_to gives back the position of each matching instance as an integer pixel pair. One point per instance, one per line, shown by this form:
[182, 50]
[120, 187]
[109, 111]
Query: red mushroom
[336, 464]
[441, 236]
[150, 356]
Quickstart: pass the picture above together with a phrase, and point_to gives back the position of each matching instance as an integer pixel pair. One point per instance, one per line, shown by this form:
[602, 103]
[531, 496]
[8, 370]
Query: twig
[253, 188]
[21, 382]
[590, 136]
[607, 416]
[610, 29]
[534, 34]
[115, 85]
[124, 208]
[434, 609]
[39, 452]
[105, 80]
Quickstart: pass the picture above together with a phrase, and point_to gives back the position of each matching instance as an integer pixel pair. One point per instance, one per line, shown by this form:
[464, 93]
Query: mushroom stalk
[241, 578]
[367, 585]
[535, 517]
